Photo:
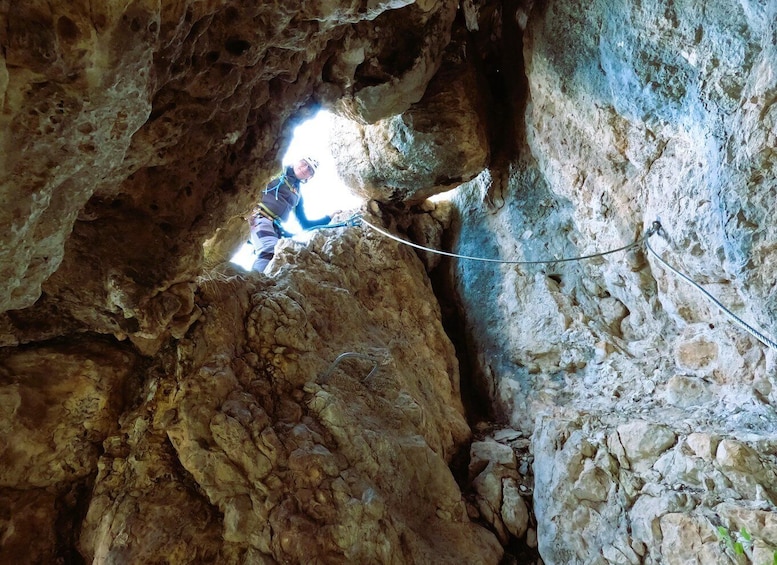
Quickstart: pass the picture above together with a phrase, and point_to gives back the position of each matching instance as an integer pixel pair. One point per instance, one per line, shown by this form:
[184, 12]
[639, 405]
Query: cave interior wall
[155, 403]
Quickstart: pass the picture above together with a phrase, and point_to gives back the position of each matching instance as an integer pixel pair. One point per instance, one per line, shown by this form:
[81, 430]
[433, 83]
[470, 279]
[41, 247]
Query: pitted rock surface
[156, 404]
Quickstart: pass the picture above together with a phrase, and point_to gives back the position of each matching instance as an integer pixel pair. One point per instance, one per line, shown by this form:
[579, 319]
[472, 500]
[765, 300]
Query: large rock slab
[291, 454]
[591, 500]
[624, 124]
[435, 145]
[57, 405]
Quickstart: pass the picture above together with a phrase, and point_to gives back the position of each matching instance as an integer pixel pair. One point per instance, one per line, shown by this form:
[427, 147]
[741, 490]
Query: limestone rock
[481, 453]
[667, 510]
[689, 538]
[643, 443]
[515, 515]
[759, 524]
[387, 61]
[687, 392]
[632, 114]
[26, 512]
[743, 466]
[68, 123]
[57, 405]
[294, 456]
[132, 134]
[610, 145]
[435, 145]
[499, 485]
[157, 406]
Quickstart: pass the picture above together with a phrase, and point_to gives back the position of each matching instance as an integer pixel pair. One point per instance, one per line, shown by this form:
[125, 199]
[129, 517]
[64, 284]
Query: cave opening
[324, 194]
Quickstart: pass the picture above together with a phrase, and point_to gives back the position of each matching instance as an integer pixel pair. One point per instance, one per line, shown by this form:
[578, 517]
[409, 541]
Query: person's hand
[253, 219]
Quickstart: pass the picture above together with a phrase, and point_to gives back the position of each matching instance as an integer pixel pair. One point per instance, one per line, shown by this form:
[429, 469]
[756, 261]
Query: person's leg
[263, 238]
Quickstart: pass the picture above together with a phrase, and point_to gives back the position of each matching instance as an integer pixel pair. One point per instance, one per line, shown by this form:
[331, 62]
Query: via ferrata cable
[654, 229]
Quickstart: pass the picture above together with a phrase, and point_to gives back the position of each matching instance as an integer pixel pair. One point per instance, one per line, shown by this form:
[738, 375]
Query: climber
[278, 200]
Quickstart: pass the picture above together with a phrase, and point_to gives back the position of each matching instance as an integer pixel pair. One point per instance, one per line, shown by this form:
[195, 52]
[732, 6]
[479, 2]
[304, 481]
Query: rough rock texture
[58, 403]
[154, 125]
[154, 408]
[620, 371]
[436, 145]
[297, 456]
[637, 493]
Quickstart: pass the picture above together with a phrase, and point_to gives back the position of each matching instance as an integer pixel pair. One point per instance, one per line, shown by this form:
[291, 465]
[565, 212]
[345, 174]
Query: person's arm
[303, 220]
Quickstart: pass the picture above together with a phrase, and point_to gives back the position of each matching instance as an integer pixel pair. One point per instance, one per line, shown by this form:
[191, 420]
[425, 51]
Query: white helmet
[312, 163]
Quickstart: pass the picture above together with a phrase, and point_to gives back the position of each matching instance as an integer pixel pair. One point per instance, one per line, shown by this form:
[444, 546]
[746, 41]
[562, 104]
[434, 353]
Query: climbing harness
[265, 212]
[325, 376]
[282, 179]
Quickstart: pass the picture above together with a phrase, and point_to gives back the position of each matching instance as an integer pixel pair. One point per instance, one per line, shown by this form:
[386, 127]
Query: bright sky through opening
[324, 193]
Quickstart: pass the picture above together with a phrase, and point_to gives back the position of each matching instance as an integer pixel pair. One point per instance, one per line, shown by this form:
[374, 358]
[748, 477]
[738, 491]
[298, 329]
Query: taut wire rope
[739, 321]
[542, 262]
[654, 228]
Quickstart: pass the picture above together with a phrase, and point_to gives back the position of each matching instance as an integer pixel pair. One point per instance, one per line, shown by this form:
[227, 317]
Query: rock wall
[254, 441]
[437, 144]
[156, 407]
[651, 413]
[131, 132]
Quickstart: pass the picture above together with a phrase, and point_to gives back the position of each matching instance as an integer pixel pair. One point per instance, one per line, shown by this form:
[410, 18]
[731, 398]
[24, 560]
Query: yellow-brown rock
[131, 133]
[298, 456]
[437, 144]
[157, 406]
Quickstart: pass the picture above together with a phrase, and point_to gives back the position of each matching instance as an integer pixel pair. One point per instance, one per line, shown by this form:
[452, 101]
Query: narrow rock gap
[477, 407]
[502, 69]
[71, 507]
[476, 404]
[506, 86]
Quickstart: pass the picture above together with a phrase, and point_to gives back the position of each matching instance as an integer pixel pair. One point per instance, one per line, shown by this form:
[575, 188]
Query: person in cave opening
[279, 199]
